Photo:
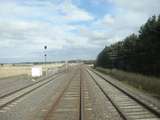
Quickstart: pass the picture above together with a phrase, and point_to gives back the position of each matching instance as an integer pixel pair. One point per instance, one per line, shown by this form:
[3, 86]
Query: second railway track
[128, 107]
[15, 95]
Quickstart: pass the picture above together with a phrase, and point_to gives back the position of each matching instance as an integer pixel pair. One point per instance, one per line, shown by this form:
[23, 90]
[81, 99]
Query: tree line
[137, 52]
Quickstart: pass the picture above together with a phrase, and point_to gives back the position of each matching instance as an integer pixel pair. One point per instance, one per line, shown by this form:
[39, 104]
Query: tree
[138, 53]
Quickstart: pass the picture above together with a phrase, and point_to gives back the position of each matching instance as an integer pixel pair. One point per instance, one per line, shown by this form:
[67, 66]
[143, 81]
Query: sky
[71, 29]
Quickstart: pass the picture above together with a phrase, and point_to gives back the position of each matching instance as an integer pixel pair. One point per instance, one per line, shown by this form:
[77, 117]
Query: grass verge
[142, 82]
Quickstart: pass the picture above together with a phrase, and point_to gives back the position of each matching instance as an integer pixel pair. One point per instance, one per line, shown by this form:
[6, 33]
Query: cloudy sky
[72, 29]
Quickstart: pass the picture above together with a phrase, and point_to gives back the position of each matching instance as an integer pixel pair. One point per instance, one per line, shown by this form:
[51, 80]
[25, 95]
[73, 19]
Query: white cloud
[25, 27]
[106, 20]
[72, 12]
[127, 18]
[149, 7]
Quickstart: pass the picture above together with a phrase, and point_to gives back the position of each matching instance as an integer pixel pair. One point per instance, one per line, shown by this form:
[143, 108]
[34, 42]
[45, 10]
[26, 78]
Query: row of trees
[136, 53]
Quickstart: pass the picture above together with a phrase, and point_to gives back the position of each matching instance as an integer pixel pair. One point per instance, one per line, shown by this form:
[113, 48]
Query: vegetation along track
[128, 107]
[17, 94]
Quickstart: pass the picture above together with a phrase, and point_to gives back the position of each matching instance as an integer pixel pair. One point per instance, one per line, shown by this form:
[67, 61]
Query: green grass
[146, 83]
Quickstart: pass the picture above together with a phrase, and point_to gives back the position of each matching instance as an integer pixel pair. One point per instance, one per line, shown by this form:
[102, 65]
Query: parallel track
[19, 93]
[128, 107]
[19, 89]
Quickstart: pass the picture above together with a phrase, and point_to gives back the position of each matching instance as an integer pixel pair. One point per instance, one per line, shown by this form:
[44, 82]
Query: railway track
[19, 93]
[85, 95]
[128, 107]
[18, 89]
[68, 103]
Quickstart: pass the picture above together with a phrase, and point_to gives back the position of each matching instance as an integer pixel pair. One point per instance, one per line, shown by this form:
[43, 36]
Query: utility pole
[45, 59]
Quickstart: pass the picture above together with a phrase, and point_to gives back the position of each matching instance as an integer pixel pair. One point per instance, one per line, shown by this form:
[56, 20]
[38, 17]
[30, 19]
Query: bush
[149, 84]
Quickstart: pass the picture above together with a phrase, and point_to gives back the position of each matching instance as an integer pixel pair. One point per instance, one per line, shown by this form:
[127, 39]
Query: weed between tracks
[145, 83]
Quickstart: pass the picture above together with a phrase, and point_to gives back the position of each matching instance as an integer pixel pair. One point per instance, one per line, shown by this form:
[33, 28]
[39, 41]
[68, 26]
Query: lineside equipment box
[36, 71]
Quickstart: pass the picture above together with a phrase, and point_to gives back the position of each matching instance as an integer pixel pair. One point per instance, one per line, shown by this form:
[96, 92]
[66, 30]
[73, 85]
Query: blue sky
[72, 29]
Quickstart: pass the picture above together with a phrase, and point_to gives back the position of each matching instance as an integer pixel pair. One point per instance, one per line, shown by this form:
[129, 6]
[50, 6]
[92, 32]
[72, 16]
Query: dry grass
[147, 83]
[9, 70]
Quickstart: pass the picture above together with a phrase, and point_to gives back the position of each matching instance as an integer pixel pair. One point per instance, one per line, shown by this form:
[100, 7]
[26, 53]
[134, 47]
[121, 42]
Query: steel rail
[122, 113]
